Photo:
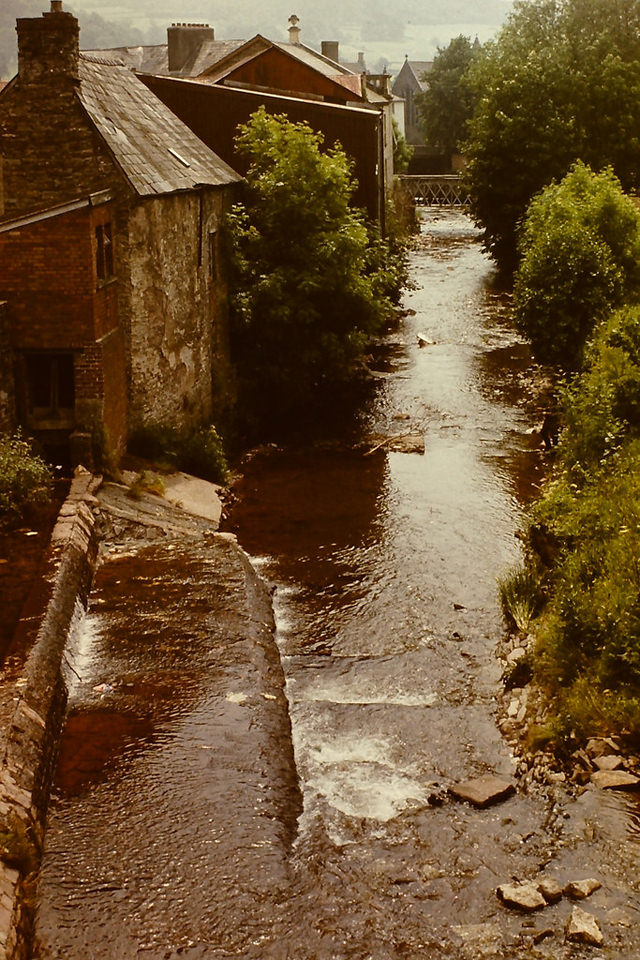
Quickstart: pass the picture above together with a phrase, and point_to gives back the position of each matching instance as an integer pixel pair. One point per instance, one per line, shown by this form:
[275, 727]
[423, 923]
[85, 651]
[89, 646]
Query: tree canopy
[560, 83]
[310, 282]
[447, 103]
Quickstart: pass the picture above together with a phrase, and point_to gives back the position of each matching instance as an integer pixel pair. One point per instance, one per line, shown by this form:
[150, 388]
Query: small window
[104, 252]
[50, 389]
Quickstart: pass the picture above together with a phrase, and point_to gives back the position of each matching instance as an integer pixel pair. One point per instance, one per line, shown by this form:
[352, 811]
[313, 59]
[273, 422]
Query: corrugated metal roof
[155, 150]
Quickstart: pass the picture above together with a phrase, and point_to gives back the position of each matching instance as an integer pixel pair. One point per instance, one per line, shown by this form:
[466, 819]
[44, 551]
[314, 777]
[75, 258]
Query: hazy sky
[381, 29]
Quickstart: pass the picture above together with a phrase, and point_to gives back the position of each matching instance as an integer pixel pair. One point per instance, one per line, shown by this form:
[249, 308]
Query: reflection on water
[384, 571]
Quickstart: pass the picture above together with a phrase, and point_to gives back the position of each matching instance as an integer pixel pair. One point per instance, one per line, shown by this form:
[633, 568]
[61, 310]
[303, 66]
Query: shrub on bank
[199, 452]
[25, 478]
[580, 249]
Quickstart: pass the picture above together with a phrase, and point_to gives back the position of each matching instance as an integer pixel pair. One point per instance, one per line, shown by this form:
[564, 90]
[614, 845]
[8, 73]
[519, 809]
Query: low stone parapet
[33, 712]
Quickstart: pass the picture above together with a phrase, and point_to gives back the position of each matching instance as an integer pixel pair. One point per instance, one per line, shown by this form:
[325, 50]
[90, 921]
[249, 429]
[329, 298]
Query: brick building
[109, 209]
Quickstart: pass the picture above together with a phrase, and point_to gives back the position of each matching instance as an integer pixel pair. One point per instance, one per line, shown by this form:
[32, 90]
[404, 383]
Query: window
[50, 390]
[104, 252]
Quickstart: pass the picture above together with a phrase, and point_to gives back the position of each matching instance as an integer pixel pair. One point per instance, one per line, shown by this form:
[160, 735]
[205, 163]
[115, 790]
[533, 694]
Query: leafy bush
[200, 451]
[25, 478]
[202, 454]
[580, 247]
[601, 406]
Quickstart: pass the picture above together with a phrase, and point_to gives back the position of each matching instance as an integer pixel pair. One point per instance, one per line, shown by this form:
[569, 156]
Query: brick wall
[56, 302]
[7, 385]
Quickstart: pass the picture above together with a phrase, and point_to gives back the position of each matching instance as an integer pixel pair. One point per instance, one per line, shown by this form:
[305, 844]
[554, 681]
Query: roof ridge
[105, 61]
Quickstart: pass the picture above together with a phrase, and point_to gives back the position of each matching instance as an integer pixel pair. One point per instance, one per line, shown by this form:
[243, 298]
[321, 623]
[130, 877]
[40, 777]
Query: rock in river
[581, 889]
[521, 896]
[615, 780]
[582, 927]
[482, 791]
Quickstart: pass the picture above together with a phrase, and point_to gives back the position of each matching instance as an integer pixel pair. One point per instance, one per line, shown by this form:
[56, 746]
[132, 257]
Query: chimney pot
[56, 6]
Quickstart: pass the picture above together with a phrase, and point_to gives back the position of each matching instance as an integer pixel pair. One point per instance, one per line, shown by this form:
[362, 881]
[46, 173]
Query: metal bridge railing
[442, 191]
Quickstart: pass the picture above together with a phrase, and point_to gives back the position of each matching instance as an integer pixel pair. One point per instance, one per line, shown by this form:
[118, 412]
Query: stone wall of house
[177, 309]
[7, 384]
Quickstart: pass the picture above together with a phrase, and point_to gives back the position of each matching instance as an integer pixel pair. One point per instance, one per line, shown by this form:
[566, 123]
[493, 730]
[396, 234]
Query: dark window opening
[50, 390]
[104, 252]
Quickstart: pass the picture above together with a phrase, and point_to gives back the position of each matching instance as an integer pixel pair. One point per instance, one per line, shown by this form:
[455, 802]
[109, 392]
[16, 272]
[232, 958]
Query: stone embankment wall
[32, 712]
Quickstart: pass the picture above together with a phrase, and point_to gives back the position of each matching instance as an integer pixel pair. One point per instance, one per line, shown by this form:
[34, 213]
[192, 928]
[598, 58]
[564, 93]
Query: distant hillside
[389, 30]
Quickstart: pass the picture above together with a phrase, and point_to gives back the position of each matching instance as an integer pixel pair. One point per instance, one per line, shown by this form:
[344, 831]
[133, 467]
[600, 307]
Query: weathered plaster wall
[172, 308]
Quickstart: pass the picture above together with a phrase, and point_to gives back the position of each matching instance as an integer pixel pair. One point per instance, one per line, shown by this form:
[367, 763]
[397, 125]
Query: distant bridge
[438, 191]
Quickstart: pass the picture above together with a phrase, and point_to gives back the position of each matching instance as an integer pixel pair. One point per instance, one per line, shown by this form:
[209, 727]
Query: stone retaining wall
[33, 712]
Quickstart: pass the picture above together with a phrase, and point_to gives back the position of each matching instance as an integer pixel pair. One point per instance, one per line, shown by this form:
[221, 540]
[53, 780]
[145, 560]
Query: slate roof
[329, 68]
[155, 59]
[155, 150]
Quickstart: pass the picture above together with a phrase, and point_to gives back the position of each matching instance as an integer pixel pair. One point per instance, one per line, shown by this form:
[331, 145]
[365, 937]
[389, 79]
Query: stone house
[109, 211]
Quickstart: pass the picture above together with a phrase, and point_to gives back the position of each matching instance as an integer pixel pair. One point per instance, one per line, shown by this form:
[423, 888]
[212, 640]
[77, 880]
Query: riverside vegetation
[576, 295]
[551, 174]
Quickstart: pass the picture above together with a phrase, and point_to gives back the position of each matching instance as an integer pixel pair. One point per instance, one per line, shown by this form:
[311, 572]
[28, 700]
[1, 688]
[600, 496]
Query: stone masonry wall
[173, 309]
[32, 712]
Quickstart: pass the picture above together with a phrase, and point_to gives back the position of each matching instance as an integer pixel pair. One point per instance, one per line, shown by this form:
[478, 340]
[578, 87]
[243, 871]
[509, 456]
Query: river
[383, 569]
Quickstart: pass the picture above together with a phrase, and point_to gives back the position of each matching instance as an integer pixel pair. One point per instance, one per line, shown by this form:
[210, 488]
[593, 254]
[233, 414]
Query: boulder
[609, 761]
[482, 791]
[521, 896]
[550, 889]
[581, 889]
[615, 780]
[582, 927]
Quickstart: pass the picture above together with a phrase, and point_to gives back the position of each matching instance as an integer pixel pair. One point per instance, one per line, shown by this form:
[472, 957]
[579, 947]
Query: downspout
[381, 172]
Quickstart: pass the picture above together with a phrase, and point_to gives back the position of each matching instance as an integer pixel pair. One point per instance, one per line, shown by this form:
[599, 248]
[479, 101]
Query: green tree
[309, 289]
[580, 258]
[560, 83]
[447, 104]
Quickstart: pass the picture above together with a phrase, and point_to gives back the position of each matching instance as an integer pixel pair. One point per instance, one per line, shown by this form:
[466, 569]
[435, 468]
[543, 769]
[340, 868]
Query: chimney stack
[331, 50]
[294, 29]
[184, 41]
[48, 46]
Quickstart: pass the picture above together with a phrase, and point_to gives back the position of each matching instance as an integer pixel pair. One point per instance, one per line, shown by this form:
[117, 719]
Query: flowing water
[383, 570]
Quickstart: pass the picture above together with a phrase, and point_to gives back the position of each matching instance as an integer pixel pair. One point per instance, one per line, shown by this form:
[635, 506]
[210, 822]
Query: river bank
[381, 569]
